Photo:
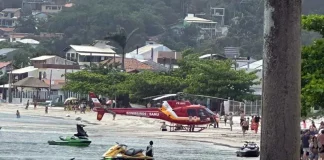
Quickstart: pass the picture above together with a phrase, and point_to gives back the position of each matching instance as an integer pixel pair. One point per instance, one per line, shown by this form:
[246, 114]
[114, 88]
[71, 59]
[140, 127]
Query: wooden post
[280, 133]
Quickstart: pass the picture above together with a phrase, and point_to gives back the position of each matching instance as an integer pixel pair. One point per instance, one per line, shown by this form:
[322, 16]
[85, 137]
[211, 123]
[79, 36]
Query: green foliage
[314, 23]
[216, 78]
[26, 25]
[4, 78]
[313, 75]
[21, 57]
[121, 38]
[312, 66]
[195, 76]
[91, 20]
[148, 83]
[85, 81]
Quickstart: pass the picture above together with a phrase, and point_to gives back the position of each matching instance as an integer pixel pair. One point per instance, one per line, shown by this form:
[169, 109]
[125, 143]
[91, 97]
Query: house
[6, 51]
[5, 32]
[52, 67]
[51, 35]
[4, 67]
[9, 17]
[213, 56]
[11, 12]
[51, 8]
[168, 59]
[149, 52]
[87, 54]
[131, 64]
[157, 67]
[18, 36]
[31, 42]
[47, 70]
[34, 5]
[28, 89]
[68, 5]
[40, 16]
[255, 66]
[44, 66]
[208, 27]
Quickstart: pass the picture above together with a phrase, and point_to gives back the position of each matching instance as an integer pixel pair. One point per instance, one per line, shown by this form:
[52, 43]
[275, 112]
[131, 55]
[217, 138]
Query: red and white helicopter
[175, 111]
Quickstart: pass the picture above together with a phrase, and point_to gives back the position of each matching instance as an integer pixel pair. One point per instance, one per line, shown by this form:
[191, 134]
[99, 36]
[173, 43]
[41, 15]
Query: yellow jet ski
[120, 152]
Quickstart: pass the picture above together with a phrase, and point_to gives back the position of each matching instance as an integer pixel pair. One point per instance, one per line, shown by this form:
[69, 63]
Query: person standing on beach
[256, 123]
[46, 109]
[18, 114]
[245, 126]
[320, 139]
[242, 115]
[305, 142]
[304, 123]
[230, 119]
[313, 146]
[27, 105]
[225, 119]
[35, 102]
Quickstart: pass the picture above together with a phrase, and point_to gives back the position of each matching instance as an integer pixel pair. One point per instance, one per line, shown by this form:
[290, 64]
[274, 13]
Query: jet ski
[79, 139]
[120, 152]
[250, 149]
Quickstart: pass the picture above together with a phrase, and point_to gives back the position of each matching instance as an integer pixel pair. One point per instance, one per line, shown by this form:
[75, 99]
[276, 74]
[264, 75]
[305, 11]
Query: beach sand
[143, 127]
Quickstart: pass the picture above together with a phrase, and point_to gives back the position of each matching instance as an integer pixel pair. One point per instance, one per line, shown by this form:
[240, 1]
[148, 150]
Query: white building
[207, 26]
[255, 66]
[31, 42]
[48, 68]
[86, 54]
[148, 52]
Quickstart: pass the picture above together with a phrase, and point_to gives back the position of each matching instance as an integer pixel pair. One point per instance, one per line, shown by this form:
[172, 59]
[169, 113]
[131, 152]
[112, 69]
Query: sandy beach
[143, 127]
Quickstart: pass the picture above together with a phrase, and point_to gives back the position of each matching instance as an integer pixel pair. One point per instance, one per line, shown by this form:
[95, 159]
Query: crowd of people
[312, 142]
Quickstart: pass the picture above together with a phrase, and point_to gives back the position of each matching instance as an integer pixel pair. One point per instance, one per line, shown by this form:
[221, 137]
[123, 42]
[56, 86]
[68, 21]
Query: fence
[57, 96]
[249, 107]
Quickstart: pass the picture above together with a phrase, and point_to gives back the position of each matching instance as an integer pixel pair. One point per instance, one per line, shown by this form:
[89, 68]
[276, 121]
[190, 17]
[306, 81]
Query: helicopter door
[192, 113]
[202, 114]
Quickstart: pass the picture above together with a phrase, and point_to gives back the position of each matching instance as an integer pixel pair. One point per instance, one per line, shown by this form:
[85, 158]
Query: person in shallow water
[27, 104]
[18, 114]
[149, 149]
[164, 127]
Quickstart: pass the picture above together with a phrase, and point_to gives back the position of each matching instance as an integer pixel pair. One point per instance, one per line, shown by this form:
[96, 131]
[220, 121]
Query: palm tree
[121, 38]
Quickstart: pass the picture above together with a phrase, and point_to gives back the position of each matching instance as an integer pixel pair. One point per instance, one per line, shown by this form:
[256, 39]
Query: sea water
[26, 138]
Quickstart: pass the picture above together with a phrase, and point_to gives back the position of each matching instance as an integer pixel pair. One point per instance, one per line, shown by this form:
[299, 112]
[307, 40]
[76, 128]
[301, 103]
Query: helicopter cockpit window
[210, 112]
[202, 114]
[192, 112]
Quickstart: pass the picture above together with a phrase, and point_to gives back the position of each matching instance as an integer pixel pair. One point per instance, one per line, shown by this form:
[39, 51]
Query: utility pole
[50, 86]
[282, 80]
[10, 84]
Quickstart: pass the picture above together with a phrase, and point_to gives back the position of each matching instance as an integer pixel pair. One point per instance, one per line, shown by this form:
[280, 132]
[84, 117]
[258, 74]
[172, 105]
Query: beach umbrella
[70, 99]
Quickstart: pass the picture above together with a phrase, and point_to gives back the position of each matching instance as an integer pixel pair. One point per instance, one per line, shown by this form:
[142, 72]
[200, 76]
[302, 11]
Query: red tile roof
[7, 29]
[131, 64]
[68, 5]
[4, 64]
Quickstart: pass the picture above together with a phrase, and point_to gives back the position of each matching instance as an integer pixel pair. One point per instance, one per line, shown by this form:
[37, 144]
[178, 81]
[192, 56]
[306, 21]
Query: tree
[149, 83]
[85, 81]
[281, 81]
[26, 25]
[312, 81]
[216, 78]
[121, 38]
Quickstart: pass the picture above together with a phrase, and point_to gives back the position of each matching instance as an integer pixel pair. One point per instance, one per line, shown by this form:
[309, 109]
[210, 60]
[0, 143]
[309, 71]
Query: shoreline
[143, 127]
